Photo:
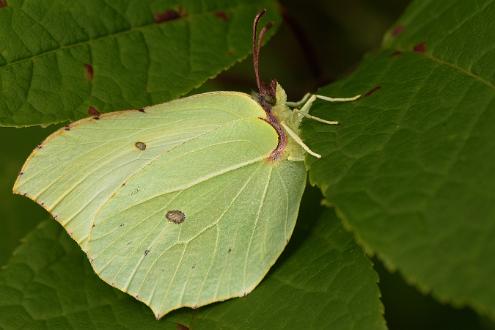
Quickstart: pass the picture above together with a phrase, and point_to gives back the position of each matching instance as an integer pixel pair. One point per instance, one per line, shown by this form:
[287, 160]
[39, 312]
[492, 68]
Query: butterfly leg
[310, 100]
[300, 102]
[299, 141]
[308, 103]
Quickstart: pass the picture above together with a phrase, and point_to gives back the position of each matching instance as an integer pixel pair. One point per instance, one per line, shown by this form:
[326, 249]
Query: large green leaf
[59, 58]
[323, 282]
[411, 169]
[48, 284]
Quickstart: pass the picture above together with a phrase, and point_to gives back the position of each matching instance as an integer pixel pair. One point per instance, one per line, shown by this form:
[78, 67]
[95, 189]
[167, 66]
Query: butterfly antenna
[257, 42]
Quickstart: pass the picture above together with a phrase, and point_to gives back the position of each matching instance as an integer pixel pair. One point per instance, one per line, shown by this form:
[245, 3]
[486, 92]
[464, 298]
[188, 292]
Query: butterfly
[183, 203]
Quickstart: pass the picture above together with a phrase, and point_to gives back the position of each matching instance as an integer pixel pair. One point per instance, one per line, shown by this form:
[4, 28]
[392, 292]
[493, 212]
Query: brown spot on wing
[140, 145]
[175, 216]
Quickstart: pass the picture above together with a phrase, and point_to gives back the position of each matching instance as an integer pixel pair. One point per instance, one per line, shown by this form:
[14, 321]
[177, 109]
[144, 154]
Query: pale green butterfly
[184, 203]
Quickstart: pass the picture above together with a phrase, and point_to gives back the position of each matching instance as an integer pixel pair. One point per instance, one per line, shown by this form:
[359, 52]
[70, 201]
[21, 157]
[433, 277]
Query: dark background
[318, 42]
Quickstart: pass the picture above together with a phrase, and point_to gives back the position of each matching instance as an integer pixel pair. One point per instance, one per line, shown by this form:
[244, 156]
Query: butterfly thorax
[283, 114]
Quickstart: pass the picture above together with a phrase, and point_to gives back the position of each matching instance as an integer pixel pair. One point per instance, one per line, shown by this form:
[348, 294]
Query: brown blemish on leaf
[89, 71]
[94, 113]
[397, 30]
[169, 15]
[420, 48]
[140, 145]
[175, 216]
[181, 327]
[373, 90]
[222, 15]
[3, 3]
[396, 53]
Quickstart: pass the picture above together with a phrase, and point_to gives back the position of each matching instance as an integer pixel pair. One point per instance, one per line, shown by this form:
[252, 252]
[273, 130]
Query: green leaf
[58, 59]
[411, 168]
[17, 215]
[49, 284]
[324, 281]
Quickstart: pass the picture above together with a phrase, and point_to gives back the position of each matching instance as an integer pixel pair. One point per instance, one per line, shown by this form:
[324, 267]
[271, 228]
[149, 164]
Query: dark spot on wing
[222, 15]
[3, 3]
[121, 225]
[146, 252]
[89, 71]
[141, 110]
[420, 48]
[193, 266]
[94, 113]
[230, 250]
[169, 15]
[140, 145]
[175, 216]
[21, 173]
[373, 90]
[397, 30]
[67, 128]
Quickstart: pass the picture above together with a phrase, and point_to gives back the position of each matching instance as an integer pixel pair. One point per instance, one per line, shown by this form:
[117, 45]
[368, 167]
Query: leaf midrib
[441, 61]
